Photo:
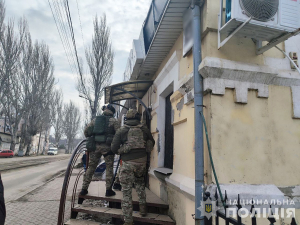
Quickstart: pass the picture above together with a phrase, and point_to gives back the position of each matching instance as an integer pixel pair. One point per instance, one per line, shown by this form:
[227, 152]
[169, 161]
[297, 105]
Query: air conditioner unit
[264, 20]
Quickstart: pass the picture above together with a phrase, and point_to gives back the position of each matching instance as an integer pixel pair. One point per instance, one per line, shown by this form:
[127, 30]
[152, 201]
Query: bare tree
[11, 46]
[57, 116]
[71, 123]
[12, 95]
[100, 60]
[2, 15]
[40, 88]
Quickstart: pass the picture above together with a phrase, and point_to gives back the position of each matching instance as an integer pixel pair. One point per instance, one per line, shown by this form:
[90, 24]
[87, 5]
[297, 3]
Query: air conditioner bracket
[261, 49]
[223, 42]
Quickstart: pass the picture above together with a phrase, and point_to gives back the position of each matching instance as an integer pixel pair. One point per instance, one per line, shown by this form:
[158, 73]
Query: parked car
[6, 153]
[52, 151]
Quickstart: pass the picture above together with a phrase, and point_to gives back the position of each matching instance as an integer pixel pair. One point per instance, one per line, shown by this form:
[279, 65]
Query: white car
[52, 151]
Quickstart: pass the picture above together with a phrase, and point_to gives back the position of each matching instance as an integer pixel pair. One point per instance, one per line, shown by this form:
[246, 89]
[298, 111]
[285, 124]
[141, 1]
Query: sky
[124, 17]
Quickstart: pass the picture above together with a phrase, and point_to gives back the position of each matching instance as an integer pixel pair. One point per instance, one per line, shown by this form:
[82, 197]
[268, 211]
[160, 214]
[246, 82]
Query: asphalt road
[21, 162]
[19, 182]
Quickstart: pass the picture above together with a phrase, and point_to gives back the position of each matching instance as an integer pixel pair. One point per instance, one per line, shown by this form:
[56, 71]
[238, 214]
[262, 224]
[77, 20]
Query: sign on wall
[187, 32]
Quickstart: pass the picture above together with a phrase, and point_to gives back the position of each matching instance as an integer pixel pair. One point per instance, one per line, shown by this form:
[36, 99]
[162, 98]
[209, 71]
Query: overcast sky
[125, 18]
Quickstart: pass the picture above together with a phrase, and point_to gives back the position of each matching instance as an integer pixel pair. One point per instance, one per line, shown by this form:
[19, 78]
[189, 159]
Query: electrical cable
[60, 35]
[57, 15]
[297, 68]
[74, 42]
[80, 23]
[72, 33]
[212, 162]
[67, 34]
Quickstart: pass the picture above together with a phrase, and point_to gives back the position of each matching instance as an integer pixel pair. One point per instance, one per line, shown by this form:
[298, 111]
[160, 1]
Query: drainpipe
[198, 105]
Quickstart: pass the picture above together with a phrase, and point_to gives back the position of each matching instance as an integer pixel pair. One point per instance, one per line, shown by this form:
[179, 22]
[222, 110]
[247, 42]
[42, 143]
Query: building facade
[251, 107]
[39, 141]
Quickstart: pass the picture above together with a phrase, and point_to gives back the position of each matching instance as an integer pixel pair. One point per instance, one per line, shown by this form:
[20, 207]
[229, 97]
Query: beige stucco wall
[181, 207]
[257, 142]
[253, 143]
[184, 138]
[186, 64]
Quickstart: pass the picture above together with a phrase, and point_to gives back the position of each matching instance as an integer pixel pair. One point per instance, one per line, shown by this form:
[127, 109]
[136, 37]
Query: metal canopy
[134, 89]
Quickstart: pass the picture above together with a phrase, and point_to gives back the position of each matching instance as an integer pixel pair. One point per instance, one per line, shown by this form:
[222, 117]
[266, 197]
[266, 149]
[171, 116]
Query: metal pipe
[193, 3]
[198, 103]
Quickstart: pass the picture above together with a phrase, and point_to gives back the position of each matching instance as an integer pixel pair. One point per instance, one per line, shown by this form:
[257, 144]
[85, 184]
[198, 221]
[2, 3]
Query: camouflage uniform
[93, 163]
[134, 157]
[101, 149]
[132, 173]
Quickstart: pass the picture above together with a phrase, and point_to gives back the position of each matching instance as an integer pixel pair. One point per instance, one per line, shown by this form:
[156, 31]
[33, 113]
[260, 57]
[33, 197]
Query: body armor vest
[135, 137]
[103, 131]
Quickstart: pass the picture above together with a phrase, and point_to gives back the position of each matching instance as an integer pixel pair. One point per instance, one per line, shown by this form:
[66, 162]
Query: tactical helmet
[132, 114]
[111, 108]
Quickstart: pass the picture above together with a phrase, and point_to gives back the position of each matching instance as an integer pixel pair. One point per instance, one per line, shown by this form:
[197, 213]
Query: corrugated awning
[132, 89]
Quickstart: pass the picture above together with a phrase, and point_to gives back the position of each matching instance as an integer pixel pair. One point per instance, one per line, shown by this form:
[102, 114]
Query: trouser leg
[139, 173]
[140, 189]
[93, 163]
[127, 179]
[109, 161]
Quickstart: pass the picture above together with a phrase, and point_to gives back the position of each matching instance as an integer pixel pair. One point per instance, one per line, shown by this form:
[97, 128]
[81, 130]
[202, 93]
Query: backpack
[135, 137]
[102, 131]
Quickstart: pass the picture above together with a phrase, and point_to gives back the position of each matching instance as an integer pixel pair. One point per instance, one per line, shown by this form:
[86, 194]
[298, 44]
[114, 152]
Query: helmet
[111, 108]
[132, 114]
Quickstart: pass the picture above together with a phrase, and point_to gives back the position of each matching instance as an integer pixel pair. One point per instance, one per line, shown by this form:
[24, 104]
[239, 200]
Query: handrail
[75, 187]
[76, 152]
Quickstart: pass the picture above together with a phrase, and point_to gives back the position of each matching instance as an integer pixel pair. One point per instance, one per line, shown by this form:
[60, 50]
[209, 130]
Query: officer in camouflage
[101, 149]
[133, 138]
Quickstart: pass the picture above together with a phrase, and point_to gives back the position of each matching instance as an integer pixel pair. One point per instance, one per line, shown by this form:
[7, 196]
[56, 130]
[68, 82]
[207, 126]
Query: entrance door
[169, 135]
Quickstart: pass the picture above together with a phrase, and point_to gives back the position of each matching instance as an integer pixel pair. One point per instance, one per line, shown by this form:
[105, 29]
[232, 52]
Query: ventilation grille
[262, 10]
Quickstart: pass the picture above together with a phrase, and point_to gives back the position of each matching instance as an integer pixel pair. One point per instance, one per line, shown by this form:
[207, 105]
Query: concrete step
[81, 222]
[151, 218]
[97, 192]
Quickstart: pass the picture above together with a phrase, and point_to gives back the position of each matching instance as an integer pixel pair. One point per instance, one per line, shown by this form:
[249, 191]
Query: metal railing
[76, 153]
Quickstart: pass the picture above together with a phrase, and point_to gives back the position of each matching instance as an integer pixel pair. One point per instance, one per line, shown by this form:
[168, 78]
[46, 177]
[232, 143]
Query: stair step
[117, 213]
[81, 222]
[97, 192]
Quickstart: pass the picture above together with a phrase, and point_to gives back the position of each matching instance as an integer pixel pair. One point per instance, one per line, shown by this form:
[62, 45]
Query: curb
[27, 165]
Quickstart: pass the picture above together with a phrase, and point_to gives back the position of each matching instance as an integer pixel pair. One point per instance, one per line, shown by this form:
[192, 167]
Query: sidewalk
[20, 162]
[40, 206]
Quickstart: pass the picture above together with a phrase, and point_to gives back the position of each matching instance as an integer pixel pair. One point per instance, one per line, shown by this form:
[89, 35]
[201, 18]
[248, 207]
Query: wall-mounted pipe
[198, 103]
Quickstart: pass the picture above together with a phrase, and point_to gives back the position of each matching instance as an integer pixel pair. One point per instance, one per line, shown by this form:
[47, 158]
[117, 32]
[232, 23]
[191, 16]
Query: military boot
[143, 210]
[84, 192]
[117, 186]
[110, 193]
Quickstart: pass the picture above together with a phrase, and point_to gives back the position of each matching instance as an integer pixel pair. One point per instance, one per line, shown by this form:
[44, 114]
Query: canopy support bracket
[137, 98]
